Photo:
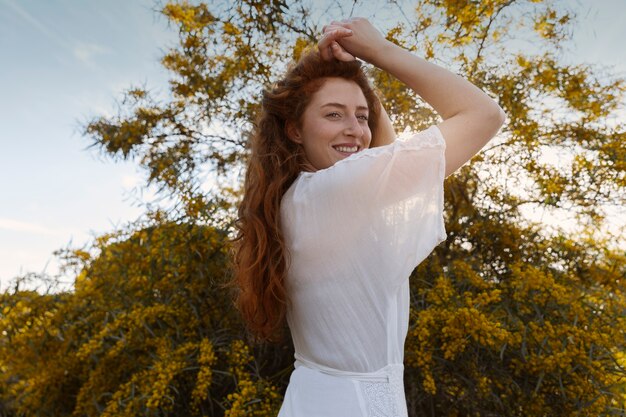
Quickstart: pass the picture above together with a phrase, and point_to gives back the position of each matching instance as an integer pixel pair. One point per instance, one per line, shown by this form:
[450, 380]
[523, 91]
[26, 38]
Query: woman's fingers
[329, 37]
[364, 43]
[334, 23]
[356, 38]
[332, 28]
[340, 53]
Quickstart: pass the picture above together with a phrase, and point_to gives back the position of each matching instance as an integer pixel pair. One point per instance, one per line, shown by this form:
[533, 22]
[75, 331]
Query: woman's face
[334, 124]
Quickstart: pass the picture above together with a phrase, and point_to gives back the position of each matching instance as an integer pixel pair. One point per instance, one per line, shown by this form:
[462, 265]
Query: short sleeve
[389, 198]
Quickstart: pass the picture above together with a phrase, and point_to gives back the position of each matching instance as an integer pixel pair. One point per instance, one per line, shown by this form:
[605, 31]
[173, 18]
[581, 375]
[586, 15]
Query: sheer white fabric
[354, 232]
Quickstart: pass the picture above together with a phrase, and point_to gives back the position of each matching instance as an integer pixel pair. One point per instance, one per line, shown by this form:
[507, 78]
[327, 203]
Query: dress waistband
[389, 373]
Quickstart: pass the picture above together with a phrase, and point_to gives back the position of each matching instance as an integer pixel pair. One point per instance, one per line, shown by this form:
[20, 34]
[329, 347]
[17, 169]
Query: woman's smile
[334, 124]
[346, 149]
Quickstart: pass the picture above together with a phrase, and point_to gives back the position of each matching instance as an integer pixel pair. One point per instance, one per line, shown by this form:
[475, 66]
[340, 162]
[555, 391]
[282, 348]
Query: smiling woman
[334, 125]
[336, 214]
[318, 105]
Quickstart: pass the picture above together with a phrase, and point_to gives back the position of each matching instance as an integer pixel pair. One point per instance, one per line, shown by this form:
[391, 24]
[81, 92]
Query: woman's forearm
[471, 117]
[384, 134]
[448, 93]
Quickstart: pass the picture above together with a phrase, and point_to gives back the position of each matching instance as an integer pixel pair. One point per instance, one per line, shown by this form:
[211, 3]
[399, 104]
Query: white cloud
[82, 51]
[85, 52]
[130, 181]
[20, 226]
[29, 18]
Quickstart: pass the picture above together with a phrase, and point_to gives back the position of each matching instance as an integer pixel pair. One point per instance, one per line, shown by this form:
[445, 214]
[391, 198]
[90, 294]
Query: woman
[337, 213]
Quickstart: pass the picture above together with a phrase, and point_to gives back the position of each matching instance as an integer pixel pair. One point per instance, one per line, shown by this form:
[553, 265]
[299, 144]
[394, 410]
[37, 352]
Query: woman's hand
[329, 47]
[352, 38]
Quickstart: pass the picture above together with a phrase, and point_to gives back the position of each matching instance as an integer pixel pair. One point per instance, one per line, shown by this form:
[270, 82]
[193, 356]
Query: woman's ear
[292, 132]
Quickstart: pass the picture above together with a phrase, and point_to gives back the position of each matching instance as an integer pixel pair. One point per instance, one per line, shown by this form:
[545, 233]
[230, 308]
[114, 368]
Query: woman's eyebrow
[343, 106]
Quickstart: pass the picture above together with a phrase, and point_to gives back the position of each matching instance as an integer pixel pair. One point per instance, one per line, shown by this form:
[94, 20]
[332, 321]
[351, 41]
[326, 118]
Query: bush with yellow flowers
[147, 331]
[508, 318]
[532, 339]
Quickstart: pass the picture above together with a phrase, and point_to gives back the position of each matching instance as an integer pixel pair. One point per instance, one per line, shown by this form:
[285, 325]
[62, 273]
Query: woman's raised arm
[470, 117]
[385, 134]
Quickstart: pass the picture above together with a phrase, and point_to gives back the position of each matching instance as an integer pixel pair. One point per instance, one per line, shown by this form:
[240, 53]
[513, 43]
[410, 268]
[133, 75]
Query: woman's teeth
[346, 148]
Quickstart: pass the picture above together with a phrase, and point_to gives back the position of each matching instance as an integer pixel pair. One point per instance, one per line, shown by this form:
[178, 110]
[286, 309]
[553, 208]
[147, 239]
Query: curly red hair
[259, 253]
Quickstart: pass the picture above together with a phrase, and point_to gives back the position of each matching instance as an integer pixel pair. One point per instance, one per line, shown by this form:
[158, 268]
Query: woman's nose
[354, 127]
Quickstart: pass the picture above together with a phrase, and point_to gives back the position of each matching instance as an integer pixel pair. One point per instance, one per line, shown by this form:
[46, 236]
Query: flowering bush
[529, 340]
[508, 318]
[146, 332]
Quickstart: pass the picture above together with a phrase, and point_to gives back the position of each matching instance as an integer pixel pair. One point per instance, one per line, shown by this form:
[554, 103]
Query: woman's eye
[335, 115]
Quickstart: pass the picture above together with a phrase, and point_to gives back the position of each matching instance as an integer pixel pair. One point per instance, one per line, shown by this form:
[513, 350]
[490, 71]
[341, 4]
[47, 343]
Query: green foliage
[506, 318]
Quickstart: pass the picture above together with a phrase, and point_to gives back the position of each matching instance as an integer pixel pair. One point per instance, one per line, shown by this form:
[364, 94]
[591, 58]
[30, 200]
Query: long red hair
[260, 256]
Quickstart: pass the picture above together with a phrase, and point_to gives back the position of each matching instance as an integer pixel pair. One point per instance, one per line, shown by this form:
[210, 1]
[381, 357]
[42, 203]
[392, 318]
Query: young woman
[336, 214]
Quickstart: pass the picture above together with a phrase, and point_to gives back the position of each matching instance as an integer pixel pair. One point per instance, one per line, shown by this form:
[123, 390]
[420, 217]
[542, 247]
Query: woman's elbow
[495, 116]
[488, 114]
[491, 119]
[501, 115]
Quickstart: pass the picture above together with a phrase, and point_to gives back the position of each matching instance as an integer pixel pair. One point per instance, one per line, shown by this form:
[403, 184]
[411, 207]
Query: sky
[63, 62]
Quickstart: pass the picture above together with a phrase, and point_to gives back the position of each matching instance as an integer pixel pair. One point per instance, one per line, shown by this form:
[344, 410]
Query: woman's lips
[346, 153]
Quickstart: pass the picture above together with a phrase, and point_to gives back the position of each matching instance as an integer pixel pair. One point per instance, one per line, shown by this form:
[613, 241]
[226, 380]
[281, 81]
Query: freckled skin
[325, 125]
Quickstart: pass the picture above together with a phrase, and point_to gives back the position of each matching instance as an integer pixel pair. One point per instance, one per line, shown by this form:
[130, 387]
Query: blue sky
[63, 62]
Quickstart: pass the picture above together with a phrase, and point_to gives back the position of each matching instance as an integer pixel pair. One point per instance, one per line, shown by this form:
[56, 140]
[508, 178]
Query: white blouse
[354, 233]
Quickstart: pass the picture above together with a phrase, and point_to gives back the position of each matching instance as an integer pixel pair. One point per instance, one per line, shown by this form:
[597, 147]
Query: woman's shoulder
[428, 137]
[409, 139]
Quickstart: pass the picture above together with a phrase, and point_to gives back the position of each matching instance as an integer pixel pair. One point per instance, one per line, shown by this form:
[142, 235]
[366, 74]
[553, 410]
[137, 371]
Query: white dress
[355, 232]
